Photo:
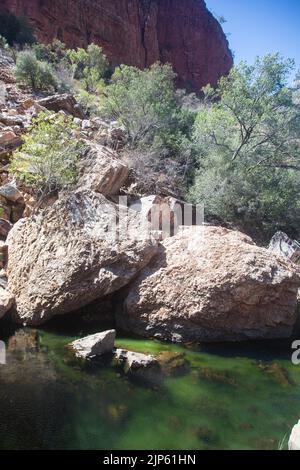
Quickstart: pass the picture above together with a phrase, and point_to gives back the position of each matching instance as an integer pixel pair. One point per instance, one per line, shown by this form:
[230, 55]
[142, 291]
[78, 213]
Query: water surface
[232, 396]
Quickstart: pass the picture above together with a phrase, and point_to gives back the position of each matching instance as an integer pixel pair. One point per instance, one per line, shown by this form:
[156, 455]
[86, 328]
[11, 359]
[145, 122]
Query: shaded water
[232, 397]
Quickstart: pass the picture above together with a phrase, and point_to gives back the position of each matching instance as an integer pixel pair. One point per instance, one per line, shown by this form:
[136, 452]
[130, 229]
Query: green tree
[47, 159]
[38, 75]
[247, 138]
[90, 66]
[144, 102]
[16, 30]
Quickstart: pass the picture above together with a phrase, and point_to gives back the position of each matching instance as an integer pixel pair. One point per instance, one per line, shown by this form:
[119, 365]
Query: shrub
[38, 75]
[3, 43]
[147, 105]
[247, 139]
[53, 53]
[90, 66]
[16, 30]
[156, 121]
[47, 160]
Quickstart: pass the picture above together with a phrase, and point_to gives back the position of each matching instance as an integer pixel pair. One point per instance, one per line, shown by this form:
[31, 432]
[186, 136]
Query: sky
[258, 27]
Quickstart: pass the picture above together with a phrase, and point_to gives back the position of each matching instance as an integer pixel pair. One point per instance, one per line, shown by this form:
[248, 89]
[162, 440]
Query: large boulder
[80, 249]
[94, 345]
[101, 170]
[294, 441]
[213, 284]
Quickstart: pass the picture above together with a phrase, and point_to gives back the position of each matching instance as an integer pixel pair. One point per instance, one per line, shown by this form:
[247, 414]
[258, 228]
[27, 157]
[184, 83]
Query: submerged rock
[78, 250]
[294, 442]
[24, 341]
[94, 345]
[138, 366]
[213, 284]
[173, 364]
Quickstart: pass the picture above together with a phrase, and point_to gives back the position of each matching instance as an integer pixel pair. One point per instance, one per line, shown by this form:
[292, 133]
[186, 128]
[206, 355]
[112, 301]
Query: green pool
[244, 396]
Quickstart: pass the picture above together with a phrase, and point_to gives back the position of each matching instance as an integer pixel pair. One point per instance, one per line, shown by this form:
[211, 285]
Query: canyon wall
[137, 32]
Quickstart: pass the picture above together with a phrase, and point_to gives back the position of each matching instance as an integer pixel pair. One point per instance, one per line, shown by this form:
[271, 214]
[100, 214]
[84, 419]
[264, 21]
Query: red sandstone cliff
[137, 32]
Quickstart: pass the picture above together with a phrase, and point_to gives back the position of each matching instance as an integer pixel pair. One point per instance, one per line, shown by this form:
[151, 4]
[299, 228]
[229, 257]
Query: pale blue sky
[258, 27]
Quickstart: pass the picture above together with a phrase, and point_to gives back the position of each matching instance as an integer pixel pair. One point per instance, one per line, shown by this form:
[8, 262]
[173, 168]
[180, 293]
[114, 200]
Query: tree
[247, 136]
[90, 66]
[143, 101]
[38, 75]
[16, 30]
[47, 159]
[156, 121]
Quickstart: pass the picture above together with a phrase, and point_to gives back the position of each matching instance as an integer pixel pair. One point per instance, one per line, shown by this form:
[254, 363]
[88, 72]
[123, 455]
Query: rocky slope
[137, 32]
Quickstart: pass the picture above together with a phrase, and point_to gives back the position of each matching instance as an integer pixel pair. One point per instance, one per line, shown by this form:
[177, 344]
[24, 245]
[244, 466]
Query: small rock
[63, 102]
[9, 138]
[77, 121]
[24, 341]
[12, 119]
[6, 301]
[139, 366]
[282, 245]
[5, 227]
[5, 208]
[3, 254]
[94, 345]
[134, 360]
[11, 193]
[86, 124]
[28, 103]
[294, 442]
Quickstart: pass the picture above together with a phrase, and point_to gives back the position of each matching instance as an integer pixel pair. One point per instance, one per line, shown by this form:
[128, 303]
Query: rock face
[294, 442]
[94, 345]
[183, 33]
[213, 284]
[80, 249]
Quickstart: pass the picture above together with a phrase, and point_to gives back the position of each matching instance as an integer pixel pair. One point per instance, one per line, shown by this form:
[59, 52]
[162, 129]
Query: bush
[90, 66]
[247, 136]
[3, 43]
[47, 160]
[147, 105]
[53, 53]
[16, 30]
[155, 119]
[38, 75]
